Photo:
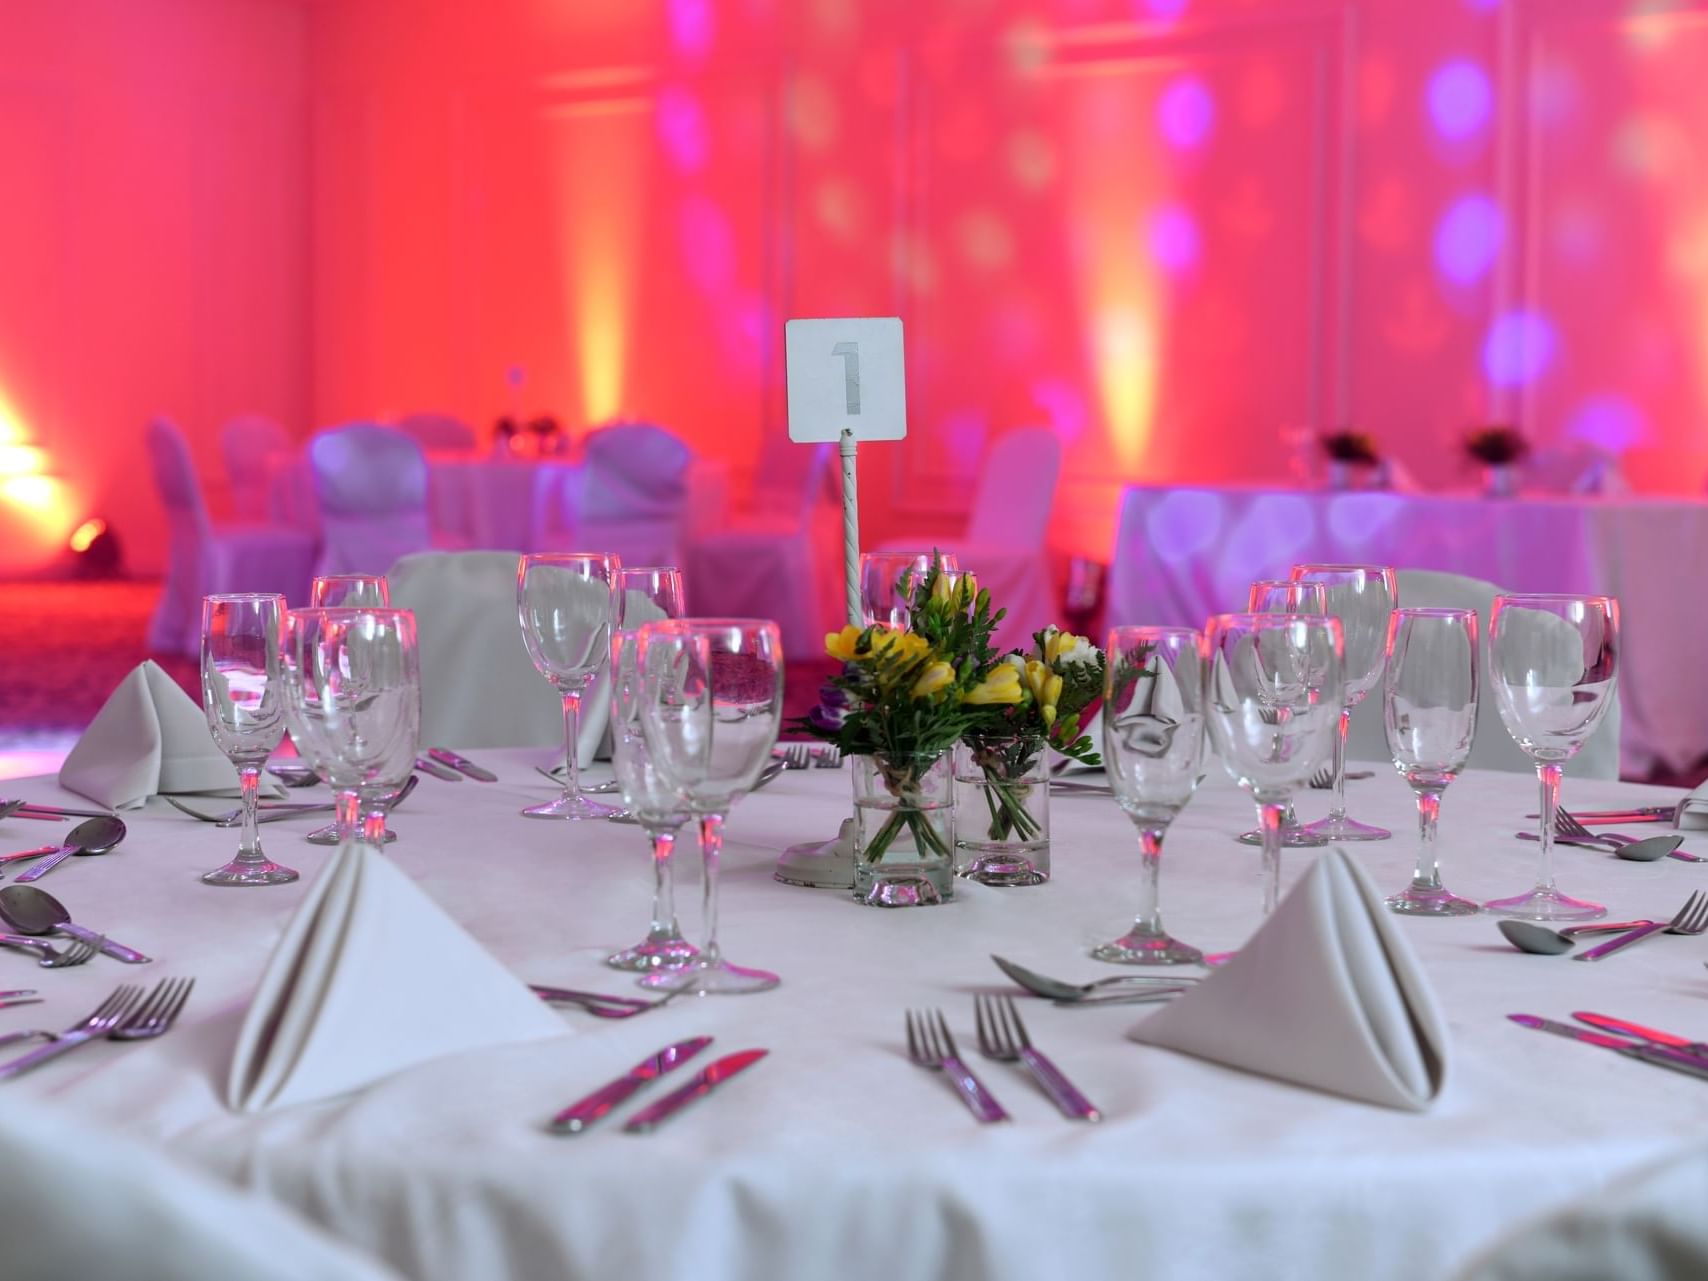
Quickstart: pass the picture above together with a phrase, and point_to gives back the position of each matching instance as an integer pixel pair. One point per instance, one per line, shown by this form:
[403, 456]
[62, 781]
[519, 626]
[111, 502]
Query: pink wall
[153, 248]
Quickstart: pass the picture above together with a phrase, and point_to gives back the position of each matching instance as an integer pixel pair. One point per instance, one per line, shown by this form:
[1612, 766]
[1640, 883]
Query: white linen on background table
[1184, 553]
[836, 1154]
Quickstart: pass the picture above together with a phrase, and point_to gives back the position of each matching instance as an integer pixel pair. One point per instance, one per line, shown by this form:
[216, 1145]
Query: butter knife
[1656, 1054]
[584, 1112]
[427, 765]
[445, 756]
[1610, 1024]
[715, 1074]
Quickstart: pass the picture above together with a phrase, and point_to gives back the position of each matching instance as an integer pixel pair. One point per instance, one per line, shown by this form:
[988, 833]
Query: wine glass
[1153, 740]
[1273, 691]
[242, 698]
[350, 591]
[711, 705]
[1284, 596]
[1554, 664]
[353, 696]
[1429, 709]
[568, 604]
[651, 802]
[1361, 597]
[886, 584]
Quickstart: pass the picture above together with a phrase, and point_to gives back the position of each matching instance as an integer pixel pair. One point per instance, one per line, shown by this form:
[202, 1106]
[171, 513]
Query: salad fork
[930, 1046]
[102, 1020]
[1002, 1036]
[75, 952]
[829, 758]
[156, 1015]
[1692, 918]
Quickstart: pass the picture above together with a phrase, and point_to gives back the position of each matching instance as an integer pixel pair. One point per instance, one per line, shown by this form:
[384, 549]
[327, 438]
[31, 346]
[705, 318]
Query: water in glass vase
[904, 830]
[1002, 813]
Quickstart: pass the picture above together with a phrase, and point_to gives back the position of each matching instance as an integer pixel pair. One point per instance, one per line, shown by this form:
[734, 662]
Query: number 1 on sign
[850, 353]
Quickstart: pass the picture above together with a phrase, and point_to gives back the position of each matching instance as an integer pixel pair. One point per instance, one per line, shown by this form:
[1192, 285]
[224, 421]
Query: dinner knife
[1660, 1055]
[427, 765]
[445, 756]
[584, 1112]
[714, 1075]
[1611, 1024]
[54, 811]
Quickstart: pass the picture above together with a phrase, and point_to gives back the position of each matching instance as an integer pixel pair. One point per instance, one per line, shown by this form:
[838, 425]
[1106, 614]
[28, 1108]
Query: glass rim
[1163, 629]
[1556, 596]
[1435, 611]
[1248, 618]
[1325, 566]
[649, 569]
[240, 598]
[548, 558]
[346, 578]
[350, 611]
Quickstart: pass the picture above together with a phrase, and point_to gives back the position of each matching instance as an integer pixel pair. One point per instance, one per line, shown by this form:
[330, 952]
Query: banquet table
[1184, 553]
[835, 1154]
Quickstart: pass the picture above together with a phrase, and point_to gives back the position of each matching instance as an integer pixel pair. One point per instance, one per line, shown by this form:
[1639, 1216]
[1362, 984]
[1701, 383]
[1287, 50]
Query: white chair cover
[1367, 740]
[1007, 539]
[371, 486]
[251, 445]
[204, 558]
[635, 496]
[1574, 467]
[438, 432]
[783, 560]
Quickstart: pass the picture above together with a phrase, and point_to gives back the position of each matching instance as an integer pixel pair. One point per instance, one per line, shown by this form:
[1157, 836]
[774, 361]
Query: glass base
[328, 835]
[1346, 829]
[1417, 900]
[235, 872]
[570, 807]
[721, 979]
[1007, 868]
[663, 953]
[1134, 948]
[1292, 838]
[1543, 904]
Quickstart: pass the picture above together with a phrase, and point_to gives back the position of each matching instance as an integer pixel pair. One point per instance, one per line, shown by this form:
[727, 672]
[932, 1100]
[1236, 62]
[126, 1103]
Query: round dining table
[836, 1155]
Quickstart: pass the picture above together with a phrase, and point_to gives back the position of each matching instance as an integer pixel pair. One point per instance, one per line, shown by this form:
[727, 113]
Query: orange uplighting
[85, 534]
[21, 460]
[38, 493]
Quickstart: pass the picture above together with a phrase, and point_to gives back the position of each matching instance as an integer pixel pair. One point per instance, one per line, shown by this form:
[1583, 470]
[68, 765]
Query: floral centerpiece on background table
[1499, 447]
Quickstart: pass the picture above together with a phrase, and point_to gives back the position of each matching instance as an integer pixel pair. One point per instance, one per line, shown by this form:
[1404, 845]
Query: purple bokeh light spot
[1167, 10]
[1467, 239]
[1358, 519]
[708, 243]
[1186, 113]
[1173, 238]
[691, 26]
[1609, 422]
[1519, 346]
[1184, 523]
[1460, 99]
[1064, 404]
[681, 122]
[1268, 539]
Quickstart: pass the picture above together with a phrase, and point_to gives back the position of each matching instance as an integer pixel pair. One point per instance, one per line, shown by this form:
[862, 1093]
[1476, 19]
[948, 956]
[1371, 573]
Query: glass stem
[711, 846]
[348, 818]
[1148, 922]
[249, 847]
[1269, 814]
[664, 924]
[1426, 874]
[571, 747]
[1337, 810]
[1549, 774]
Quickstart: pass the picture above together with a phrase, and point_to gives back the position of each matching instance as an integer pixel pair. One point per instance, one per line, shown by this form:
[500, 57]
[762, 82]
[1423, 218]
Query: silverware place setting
[19, 808]
[126, 1015]
[1630, 848]
[1643, 1047]
[1692, 918]
[1002, 1036]
[1636, 814]
[1116, 989]
[91, 836]
[462, 764]
[584, 1112]
[930, 1046]
[30, 910]
[76, 952]
[598, 1003]
[1539, 940]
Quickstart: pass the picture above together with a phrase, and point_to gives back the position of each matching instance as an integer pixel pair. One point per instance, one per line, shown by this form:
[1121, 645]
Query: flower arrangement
[1354, 448]
[1496, 445]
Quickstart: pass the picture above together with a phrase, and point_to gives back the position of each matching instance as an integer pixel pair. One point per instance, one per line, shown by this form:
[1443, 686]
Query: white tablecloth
[835, 1155]
[1186, 553]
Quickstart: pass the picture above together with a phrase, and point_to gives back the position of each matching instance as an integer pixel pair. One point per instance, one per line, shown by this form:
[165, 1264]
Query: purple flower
[832, 709]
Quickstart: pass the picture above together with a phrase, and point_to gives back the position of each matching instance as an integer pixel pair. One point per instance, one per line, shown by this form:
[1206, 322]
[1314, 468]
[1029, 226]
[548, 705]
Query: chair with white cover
[205, 558]
[438, 432]
[370, 483]
[1006, 542]
[1574, 467]
[782, 559]
[87, 1202]
[252, 445]
[630, 497]
[1493, 748]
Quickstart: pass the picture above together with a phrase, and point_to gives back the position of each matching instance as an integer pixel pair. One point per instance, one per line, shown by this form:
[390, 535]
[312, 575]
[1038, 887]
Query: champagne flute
[243, 701]
[1153, 740]
[1284, 596]
[568, 604]
[1361, 597]
[712, 704]
[350, 591]
[886, 584]
[1554, 664]
[1273, 691]
[1429, 709]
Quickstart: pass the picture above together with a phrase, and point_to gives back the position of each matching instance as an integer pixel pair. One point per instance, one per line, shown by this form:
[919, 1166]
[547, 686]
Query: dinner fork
[1568, 827]
[103, 1019]
[75, 952]
[156, 1015]
[796, 755]
[829, 757]
[930, 1046]
[1002, 1036]
[1692, 918]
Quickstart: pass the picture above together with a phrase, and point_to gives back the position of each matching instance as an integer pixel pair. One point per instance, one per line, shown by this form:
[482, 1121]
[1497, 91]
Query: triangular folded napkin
[371, 977]
[149, 737]
[1693, 814]
[1326, 994]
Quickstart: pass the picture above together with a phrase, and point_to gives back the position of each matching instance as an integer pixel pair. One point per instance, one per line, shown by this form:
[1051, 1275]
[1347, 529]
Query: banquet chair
[780, 559]
[630, 497]
[87, 1202]
[251, 445]
[1006, 542]
[1574, 467]
[439, 432]
[370, 484]
[204, 557]
[1493, 748]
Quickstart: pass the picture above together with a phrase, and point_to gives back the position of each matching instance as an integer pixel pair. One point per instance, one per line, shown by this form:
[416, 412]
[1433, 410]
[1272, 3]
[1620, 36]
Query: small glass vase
[1500, 480]
[1002, 812]
[904, 830]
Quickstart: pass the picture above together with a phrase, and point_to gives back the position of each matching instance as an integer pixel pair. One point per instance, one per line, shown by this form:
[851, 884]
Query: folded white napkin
[369, 978]
[1693, 817]
[149, 737]
[1326, 994]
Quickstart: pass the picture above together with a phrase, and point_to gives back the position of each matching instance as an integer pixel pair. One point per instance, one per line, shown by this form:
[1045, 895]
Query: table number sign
[846, 383]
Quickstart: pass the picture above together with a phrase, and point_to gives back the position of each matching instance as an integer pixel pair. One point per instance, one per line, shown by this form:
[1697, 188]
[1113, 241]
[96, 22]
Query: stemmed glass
[712, 704]
[1273, 688]
[568, 604]
[353, 696]
[1284, 596]
[1153, 740]
[886, 584]
[1361, 597]
[1429, 709]
[349, 591]
[1554, 663]
[241, 696]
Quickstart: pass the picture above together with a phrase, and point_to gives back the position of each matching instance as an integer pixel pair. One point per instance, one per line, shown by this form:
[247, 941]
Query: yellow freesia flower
[1001, 686]
[1059, 643]
[933, 680]
[841, 645]
[904, 647]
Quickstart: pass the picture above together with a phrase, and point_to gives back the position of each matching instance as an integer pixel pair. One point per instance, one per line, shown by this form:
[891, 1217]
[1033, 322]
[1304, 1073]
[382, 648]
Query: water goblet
[1273, 691]
[712, 703]
[1284, 596]
[1361, 597]
[350, 591]
[1153, 739]
[568, 604]
[1553, 661]
[242, 697]
[1429, 710]
[886, 584]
